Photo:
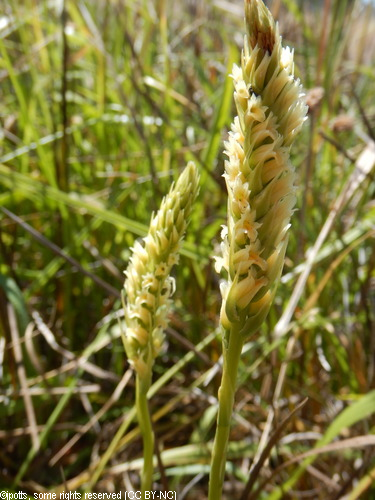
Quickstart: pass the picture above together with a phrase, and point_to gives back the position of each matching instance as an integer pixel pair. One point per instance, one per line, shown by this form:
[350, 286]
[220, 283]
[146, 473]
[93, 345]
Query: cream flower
[148, 285]
[258, 173]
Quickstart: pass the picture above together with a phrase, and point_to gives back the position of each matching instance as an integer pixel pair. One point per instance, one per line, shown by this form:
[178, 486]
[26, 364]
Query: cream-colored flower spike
[258, 172]
[148, 284]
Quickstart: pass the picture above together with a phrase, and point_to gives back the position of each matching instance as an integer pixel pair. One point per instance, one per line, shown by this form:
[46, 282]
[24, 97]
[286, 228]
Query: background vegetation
[101, 105]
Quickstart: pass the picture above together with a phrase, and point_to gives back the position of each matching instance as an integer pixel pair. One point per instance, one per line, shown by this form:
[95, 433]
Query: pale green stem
[142, 386]
[231, 358]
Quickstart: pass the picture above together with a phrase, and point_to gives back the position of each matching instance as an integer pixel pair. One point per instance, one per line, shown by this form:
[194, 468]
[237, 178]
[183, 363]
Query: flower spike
[148, 285]
[258, 173]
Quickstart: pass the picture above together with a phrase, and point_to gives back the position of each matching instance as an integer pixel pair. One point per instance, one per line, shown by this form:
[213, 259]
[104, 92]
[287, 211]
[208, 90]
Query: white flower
[145, 298]
[161, 270]
[236, 73]
[149, 281]
[138, 333]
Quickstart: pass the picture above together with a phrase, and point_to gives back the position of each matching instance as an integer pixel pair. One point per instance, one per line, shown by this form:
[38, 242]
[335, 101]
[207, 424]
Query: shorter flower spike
[258, 173]
[148, 284]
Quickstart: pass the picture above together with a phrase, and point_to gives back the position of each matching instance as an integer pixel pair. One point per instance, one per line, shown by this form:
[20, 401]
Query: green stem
[142, 386]
[231, 358]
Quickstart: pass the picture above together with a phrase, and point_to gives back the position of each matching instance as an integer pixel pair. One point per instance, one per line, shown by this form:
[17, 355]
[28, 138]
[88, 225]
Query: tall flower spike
[258, 173]
[148, 284]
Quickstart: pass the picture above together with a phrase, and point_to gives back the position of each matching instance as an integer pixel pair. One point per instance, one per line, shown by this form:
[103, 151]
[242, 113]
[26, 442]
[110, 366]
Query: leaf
[222, 116]
[357, 411]
[15, 297]
[30, 187]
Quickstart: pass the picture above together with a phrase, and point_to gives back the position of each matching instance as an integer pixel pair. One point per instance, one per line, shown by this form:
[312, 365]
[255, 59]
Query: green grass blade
[356, 412]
